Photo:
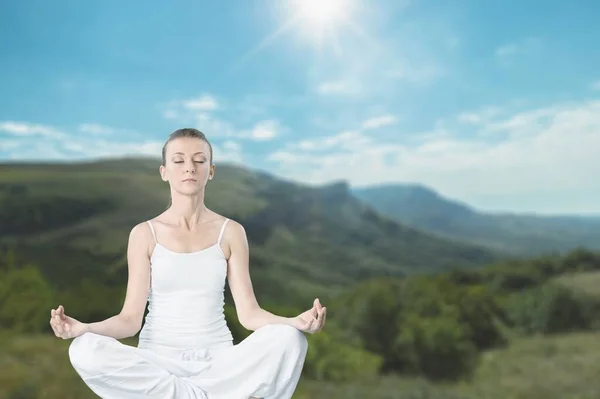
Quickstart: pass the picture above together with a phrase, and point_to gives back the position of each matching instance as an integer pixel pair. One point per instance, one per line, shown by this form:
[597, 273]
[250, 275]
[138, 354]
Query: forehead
[187, 146]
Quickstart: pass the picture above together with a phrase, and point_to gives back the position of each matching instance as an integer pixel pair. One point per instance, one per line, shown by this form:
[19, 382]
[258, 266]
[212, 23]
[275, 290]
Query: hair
[186, 132]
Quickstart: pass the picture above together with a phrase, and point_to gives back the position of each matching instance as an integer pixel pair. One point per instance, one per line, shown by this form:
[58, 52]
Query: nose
[190, 167]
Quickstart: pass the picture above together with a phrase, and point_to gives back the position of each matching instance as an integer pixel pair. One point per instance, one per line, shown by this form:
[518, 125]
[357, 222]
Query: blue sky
[496, 104]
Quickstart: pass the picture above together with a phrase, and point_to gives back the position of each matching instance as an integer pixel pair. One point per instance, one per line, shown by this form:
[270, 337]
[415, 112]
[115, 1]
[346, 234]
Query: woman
[178, 263]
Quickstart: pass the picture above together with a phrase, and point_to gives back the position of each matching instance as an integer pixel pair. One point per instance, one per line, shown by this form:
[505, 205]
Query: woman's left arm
[249, 312]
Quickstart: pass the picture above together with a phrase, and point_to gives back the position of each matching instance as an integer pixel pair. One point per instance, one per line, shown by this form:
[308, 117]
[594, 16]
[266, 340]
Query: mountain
[73, 220]
[423, 208]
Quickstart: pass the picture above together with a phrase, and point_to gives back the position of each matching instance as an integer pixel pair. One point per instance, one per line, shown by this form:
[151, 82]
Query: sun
[320, 19]
[319, 13]
[321, 22]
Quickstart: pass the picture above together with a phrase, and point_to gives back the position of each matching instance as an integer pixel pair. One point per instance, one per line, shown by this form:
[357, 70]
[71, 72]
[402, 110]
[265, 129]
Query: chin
[191, 191]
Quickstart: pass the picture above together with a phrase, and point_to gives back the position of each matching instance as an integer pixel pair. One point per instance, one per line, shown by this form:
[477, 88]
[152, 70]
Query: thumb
[61, 312]
[314, 308]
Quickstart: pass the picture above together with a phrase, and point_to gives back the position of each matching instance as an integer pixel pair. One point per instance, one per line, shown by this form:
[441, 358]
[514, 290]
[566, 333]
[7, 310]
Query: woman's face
[187, 165]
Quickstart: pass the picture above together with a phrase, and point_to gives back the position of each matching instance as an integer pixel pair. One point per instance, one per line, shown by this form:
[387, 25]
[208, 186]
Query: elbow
[246, 319]
[245, 322]
[134, 325]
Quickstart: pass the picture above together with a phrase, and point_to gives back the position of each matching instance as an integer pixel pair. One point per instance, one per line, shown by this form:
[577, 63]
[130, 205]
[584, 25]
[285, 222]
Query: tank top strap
[222, 231]
[152, 230]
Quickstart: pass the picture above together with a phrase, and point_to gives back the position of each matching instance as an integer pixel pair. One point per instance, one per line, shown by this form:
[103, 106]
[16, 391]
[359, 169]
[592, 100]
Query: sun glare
[321, 12]
[320, 18]
[322, 22]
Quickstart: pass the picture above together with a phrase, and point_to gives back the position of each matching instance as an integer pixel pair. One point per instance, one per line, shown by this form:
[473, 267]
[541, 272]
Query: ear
[163, 174]
[212, 172]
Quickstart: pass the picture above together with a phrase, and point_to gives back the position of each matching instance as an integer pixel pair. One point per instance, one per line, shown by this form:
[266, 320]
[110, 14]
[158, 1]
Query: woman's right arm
[129, 321]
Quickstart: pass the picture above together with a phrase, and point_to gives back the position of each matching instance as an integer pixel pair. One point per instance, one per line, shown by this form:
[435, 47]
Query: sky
[495, 104]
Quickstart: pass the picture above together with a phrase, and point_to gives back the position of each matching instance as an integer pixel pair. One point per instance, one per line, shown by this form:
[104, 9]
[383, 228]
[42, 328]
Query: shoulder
[230, 226]
[233, 228]
[234, 237]
[141, 233]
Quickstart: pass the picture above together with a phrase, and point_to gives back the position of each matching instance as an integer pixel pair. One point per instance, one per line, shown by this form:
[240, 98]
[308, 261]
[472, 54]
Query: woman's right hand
[66, 327]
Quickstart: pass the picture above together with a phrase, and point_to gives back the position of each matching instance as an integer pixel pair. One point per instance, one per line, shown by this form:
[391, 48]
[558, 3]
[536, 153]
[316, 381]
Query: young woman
[178, 263]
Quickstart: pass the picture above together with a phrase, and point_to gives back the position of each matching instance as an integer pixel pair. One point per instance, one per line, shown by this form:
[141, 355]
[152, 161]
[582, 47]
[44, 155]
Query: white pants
[267, 364]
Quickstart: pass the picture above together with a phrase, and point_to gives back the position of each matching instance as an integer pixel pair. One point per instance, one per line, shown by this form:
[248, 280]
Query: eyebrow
[200, 152]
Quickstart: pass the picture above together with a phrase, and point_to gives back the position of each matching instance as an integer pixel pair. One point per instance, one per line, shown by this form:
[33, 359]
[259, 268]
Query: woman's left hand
[313, 320]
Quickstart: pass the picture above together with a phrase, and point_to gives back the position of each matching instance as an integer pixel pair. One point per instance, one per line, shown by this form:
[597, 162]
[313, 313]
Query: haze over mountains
[521, 234]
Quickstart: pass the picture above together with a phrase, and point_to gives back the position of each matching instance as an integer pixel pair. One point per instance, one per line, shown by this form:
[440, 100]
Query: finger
[309, 319]
[55, 330]
[319, 320]
[52, 326]
[322, 319]
[309, 324]
[58, 324]
[318, 304]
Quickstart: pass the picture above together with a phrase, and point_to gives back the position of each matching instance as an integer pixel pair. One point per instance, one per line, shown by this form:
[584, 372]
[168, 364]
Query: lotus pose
[178, 263]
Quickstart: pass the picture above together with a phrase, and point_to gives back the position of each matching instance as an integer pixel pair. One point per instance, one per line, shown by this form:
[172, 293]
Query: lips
[186, 180]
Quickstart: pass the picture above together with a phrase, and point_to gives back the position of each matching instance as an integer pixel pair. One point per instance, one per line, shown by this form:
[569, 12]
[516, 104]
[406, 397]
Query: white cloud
[265, 130]
[506, 54]
[232, 146]
[95, 129]
[170, 114]
[478, 117]
[229, 151]
[508, 50]
[379, 121]
[56, 145]
[7, 145]
[198, 113]
[345, 141]
[533, 158]
[338, 87]
[205, 102]
[43, 142]
[36, 151]
[595, 85]
[29, 129]
[421, 74]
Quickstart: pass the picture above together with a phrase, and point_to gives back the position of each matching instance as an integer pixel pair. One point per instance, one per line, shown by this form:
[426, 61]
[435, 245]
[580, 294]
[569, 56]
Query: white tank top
[186, 299]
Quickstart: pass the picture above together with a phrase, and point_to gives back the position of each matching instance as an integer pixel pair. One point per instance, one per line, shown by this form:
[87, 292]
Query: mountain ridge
[517, 233]
[305, 240]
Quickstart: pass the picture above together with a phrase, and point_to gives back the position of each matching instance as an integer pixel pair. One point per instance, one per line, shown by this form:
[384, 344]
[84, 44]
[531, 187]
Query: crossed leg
[115, 370]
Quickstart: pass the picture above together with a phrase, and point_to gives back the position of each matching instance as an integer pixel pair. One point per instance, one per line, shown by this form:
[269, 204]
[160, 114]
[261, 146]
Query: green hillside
[555, 367]
[588, 282]
[510, 330]
[72, 220]
[528, 235]
[543, 367]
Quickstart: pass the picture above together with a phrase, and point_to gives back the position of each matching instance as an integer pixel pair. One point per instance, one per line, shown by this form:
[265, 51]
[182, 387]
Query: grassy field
[555, 367]
[587, 283]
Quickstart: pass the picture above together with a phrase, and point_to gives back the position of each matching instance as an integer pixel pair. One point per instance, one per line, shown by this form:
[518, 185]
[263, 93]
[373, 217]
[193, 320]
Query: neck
[188, 211]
